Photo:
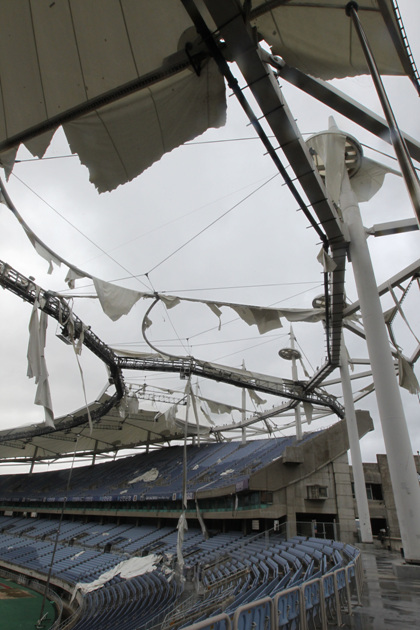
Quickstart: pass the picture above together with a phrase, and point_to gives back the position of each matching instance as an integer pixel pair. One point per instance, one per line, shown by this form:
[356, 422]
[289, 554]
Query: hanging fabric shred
[37, 367]
[132, 404]
[308, 409]
[201, 520]
[169, 417]
[407, 378]
[182, 527]
[216, 310]
[169, 300]
[265, 318]
[255, 398]
[197, 420]
[218, 407]
[72, 276]
[115, 301]
[205, 411]
[326, 261]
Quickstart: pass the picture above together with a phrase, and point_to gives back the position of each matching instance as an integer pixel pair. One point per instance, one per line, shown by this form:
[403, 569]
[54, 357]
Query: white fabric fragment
[255, 398]
[7, 162]
[229, 471]
[150, 475]
[406, 376]
[219, 407]
[132, 405]
[73, 275]
[170, 300]
[369, 179]
[37, 367]
[308, 409]
[115, 301]
[126, 569]
[326, 261]
[169, 417]
[126, 137]
[206, 411]
[216, 310]
[265, 318]
[46, 254]
[182, 527]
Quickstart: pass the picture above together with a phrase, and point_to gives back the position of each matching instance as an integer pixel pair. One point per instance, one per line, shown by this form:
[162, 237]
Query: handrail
[341, 598]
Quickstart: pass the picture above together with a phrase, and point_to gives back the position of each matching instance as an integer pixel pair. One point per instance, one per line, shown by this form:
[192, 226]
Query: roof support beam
[241, 47]
[341, 103]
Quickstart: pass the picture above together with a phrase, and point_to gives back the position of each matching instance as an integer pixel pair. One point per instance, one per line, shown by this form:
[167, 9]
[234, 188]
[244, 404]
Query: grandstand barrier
[315, 603]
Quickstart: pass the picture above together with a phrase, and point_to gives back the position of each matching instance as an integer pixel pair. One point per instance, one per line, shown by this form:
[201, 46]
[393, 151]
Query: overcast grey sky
[261, 252]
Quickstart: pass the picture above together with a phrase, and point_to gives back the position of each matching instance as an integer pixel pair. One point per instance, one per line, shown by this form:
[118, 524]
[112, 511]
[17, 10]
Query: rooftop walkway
[387, 601]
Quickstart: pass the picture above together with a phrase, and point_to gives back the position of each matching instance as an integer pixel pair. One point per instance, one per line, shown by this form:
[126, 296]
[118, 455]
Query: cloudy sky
[210, 220]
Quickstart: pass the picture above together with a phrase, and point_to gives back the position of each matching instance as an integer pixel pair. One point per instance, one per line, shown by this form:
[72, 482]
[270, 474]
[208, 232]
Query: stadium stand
[238, 576]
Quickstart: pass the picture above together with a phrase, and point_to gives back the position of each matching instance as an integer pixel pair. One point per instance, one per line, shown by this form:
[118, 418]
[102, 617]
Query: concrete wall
[378, 473]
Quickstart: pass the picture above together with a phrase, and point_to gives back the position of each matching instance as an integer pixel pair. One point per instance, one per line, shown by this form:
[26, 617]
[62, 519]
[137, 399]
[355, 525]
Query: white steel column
[356, 456]
[298, 418]
[394, 426]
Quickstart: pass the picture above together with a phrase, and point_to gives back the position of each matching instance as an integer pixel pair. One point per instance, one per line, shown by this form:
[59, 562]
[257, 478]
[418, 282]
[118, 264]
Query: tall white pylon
[337, 153]
[356, 455]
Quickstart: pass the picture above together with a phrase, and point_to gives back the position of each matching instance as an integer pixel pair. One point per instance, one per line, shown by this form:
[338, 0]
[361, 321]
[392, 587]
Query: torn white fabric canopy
[265, 318]
[149, 475]
[255, 398]
[115, 301]
[407, 377]
[104, 47]
[126, 569]
[218, 407]
[37, 367]
[318, 38]
[326, 261]
[121, 140]
[182, 527]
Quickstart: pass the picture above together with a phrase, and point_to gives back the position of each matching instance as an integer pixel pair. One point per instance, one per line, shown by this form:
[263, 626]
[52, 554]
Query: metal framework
[57, 308]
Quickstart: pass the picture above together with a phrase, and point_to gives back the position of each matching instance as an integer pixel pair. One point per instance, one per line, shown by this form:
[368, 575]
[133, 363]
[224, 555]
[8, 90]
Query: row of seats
[231, 569]
[214, 464]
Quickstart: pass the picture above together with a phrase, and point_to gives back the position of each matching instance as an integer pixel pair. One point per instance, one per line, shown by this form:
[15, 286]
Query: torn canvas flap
[115, 301]
[406, 376]
[7, 161]
[73, 275]
[219, 407]
[170, 300]
[132, 405]
[216, 310]
[308, 409]
[369, 179]
[182, 527]
[206, 411]
[37, 367]
[255, 398]
[326, 261]
[265, 319]
[34, 347]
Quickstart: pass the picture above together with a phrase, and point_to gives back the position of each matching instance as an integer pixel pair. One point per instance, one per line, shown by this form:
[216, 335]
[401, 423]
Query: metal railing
[315, 603]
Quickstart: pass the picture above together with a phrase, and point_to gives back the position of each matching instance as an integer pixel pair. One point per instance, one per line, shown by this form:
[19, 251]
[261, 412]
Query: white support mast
[356, 455]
